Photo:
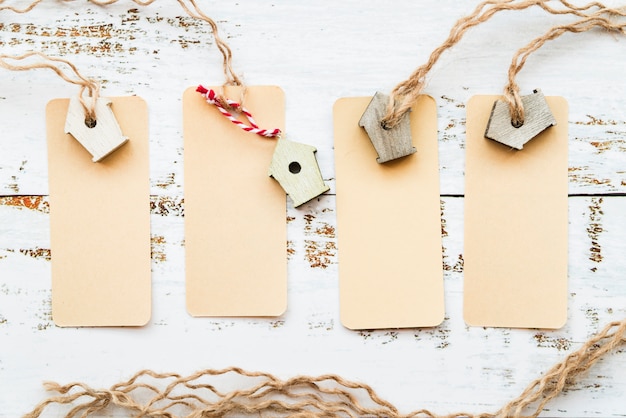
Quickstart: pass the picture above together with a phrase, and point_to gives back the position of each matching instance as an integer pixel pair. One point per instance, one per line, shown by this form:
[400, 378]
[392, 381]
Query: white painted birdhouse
[102, 138]
[537, 118]
[391, 143]
[295, 168]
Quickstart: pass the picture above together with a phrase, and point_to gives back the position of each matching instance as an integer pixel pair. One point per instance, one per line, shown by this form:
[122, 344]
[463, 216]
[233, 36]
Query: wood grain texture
[317, 52]
[100, 137]
[390, 143]
[295, 168]
[537, 119]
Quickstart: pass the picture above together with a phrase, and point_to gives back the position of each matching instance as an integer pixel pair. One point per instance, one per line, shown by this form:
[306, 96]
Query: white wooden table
[317, 52]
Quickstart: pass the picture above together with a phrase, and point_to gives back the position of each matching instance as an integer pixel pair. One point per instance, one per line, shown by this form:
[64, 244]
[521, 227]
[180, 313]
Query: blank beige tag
[235, 214]
[388, 224]
[515, 224]
[100, 223]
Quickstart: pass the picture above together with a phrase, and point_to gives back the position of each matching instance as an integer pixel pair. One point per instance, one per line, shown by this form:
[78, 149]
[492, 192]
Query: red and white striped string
[212, 98]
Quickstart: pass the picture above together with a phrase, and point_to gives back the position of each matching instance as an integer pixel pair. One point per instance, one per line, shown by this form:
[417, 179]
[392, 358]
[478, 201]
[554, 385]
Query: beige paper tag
[235, 214]
[100, 223]
[388, 224]
[515, 225]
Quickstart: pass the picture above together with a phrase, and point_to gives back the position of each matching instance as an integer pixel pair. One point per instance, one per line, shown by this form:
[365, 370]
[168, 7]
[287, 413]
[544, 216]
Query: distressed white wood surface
[317, 52]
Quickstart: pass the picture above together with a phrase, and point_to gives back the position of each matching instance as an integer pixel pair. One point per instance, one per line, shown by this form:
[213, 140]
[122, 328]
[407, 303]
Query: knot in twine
[404, 95]
[151, 394]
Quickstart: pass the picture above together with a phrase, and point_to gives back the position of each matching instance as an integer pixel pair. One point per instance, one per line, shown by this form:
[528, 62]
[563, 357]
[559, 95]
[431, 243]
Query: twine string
[196, 396]
[34, 3]
[601, 19]
[110, 2]
[90, 86]
[14, 9]
[232, 79]
[226, 106]
[194, 11]
[404, 95]
[327, 395]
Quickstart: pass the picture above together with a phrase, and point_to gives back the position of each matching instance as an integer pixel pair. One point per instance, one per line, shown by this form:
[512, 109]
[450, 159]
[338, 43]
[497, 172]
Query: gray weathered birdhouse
[103, 136]
[392, 143]
[537, 118]
[295, 168]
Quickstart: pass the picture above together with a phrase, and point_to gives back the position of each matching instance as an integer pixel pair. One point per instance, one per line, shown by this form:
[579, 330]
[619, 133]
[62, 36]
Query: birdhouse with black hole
[390, 143]
[295, 168]
[101, 136]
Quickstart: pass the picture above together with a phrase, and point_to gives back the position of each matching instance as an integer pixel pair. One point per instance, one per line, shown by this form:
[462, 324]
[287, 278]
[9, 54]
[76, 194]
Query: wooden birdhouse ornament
[390, 143]
[295, 168]
[538, 118]
[100, 137]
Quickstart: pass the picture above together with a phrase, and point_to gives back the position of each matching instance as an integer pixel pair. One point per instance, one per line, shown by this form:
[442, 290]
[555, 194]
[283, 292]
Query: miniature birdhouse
[537, 118]
[390, 143]
[100, 137]
[295, 168]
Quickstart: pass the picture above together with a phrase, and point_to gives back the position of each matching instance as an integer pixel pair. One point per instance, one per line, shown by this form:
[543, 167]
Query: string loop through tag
[214, 99]
[600, 19]
[406, 93]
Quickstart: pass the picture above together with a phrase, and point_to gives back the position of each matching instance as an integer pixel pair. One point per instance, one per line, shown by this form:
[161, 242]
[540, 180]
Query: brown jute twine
[193, 10]
[151, 394]
[34, 60]
[404, 95]
[232, 79]
[16, 10]
[600, 19]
